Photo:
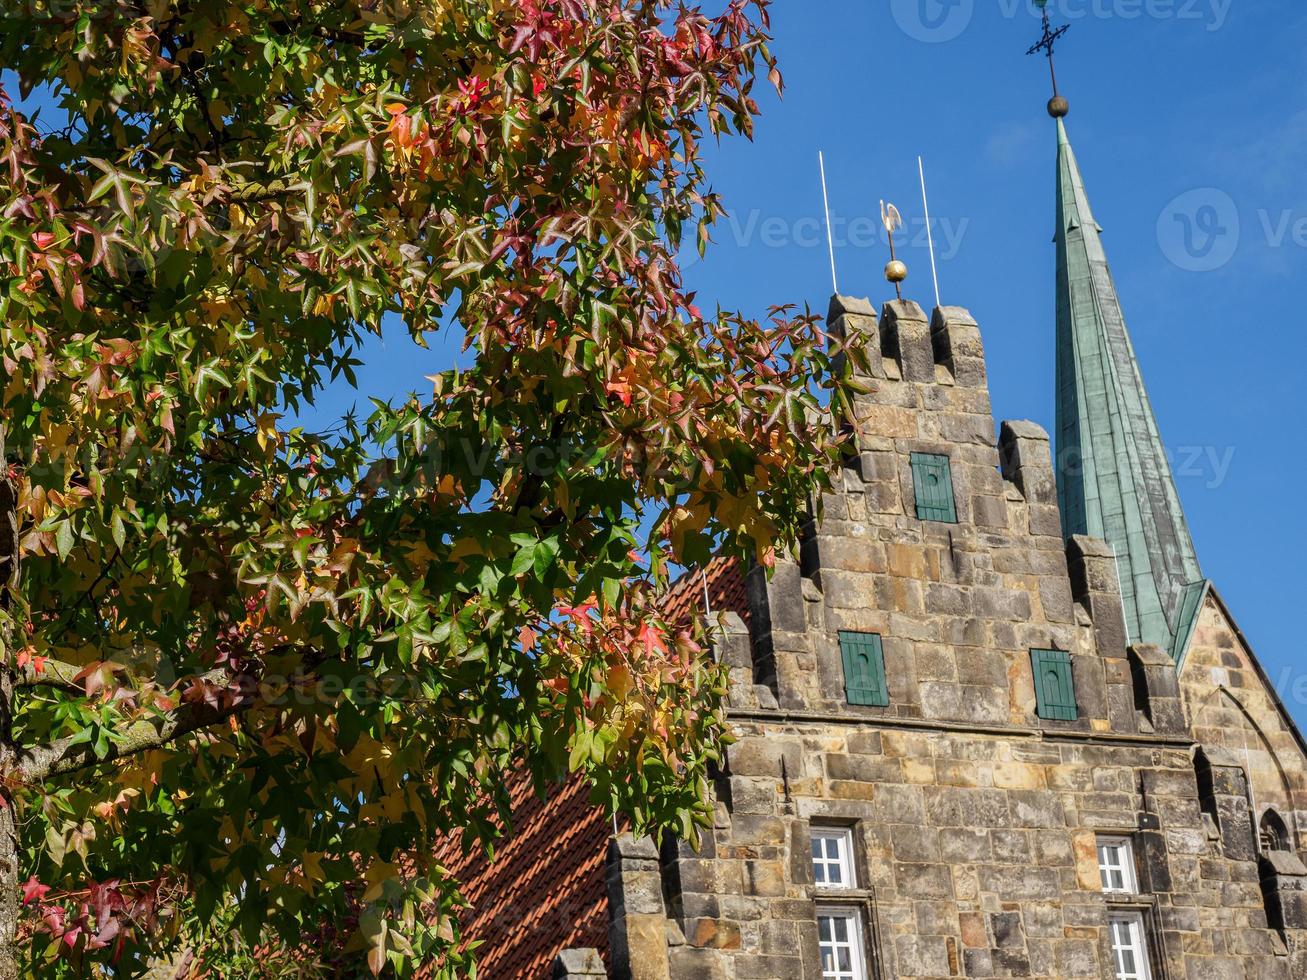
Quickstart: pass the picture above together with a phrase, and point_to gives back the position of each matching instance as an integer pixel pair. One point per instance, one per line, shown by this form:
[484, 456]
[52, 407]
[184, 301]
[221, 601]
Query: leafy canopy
[255, 671]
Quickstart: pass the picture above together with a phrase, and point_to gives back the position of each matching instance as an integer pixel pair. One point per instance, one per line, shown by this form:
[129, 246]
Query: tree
[252, 670]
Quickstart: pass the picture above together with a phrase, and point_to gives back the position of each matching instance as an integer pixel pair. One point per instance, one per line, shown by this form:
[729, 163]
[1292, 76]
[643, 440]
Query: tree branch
[53, 673]
[67, 755]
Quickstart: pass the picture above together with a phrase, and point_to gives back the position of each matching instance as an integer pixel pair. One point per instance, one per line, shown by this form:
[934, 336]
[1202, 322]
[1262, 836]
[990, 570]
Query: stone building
[994, 721]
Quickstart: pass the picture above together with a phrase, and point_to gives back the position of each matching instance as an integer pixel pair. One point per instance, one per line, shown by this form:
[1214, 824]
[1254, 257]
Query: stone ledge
[576, 964]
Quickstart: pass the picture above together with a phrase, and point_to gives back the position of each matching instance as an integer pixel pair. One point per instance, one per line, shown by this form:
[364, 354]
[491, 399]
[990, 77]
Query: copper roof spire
[1114, 478]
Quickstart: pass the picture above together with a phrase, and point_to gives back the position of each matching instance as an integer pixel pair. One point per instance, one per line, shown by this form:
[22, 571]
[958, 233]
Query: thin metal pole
[830, 240]
[930, 237]
[1116, 560]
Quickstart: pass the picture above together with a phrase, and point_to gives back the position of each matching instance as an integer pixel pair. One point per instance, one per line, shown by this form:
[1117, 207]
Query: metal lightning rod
[830, 240]
[930, 238]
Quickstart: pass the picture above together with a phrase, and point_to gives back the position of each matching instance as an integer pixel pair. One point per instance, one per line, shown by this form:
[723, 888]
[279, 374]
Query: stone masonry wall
[975, 822]
[1241, 724]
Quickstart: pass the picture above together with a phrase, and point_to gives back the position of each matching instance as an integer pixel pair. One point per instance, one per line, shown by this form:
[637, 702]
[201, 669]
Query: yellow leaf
[619, 681]
[376, 877]
[266, 431]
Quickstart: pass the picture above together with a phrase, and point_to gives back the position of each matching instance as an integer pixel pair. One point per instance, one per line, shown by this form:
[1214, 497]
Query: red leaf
[43, 239]
[527, 638]
[622, 389]
[652, 638]
[34, 891]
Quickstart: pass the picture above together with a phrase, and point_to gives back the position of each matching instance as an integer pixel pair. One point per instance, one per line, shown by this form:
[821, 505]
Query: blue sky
[1188, 117]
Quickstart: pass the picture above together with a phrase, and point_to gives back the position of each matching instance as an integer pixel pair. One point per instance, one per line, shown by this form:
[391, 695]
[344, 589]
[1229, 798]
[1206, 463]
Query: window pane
[832, 864]
[842, 953]
[1128, 947]
[1116, 866]
[1128, 960]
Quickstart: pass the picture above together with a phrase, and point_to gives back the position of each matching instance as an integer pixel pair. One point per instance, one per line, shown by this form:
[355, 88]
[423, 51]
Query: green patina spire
[1114, 480]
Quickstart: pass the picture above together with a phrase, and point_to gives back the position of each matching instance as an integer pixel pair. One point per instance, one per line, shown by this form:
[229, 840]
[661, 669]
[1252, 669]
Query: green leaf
[63, 538]
[545, 557]
[524, 559]
[117, 530]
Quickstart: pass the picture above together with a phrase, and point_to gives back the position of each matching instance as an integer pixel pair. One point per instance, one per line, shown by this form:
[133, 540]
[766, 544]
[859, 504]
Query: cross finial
[1057, 106]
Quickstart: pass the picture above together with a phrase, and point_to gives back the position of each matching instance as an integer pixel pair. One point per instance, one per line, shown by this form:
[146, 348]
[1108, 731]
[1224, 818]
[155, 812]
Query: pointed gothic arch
[1223, 696]
[1273, 832]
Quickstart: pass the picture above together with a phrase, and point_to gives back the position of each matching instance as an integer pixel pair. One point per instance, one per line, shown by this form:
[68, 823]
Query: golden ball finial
[1058, 107]
[896, 271]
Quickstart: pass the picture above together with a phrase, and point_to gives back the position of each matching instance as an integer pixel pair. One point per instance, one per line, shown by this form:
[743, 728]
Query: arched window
[1274, 834]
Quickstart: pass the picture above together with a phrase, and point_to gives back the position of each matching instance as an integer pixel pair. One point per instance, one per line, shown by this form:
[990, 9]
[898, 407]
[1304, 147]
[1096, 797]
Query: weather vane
[1057, 106]
[895, 271]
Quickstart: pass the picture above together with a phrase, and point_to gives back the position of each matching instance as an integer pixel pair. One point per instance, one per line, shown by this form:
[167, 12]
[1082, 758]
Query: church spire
[1114, 480]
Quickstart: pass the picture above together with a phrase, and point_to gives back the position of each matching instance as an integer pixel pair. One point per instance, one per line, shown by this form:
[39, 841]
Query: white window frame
[832, 851]
[833, 916]
[1127, 935]
[1116, 863]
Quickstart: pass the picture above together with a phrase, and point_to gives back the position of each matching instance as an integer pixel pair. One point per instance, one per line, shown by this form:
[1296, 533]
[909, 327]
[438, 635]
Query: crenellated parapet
[940, 552]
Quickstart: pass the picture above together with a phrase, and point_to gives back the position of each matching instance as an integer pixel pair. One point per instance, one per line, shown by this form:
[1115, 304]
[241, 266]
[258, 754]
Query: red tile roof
[726, 592]
[545, 891]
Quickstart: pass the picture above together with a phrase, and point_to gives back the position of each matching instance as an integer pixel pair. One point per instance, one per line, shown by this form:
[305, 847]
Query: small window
[1116, 865]
[932, 479]
[1274, 834]
[1129, 946]
[1206, 788]
[1139, 684]
[832, 858]
[839, 935]
[1055, 689]
[864, 669]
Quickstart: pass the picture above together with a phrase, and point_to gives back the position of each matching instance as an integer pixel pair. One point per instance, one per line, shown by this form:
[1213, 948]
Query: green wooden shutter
[864, 669]
[932, 479]
[1055, 688]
